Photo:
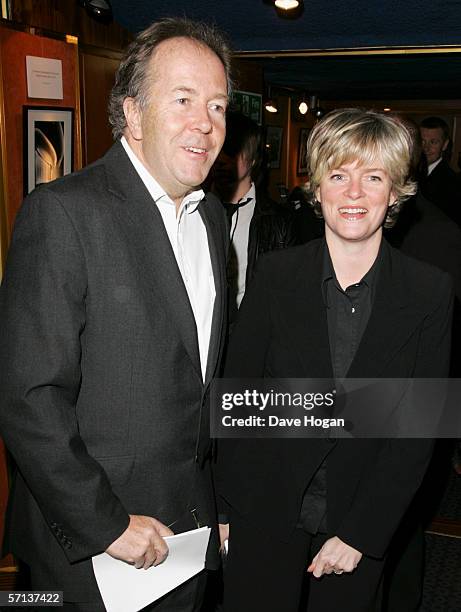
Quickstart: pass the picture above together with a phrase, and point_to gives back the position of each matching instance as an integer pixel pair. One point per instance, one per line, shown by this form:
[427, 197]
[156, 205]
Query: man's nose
[202, 119]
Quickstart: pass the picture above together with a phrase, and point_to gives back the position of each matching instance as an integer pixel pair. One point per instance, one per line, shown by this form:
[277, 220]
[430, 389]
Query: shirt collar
[328, 273]
[431, 167]
[159, 195]
[251, 193]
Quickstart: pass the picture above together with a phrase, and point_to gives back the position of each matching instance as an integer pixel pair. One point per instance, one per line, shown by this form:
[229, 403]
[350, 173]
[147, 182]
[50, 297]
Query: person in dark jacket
[440, 184]
[348, 306]
[425, 232]
[257, 224]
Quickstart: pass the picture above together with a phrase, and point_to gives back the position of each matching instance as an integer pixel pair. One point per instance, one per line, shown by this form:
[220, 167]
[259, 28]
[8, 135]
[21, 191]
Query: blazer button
[66, 542]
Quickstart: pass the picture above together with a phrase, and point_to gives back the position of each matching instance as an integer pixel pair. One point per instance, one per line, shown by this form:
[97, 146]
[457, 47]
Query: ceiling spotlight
[100, 10]
[271, 106]
[303, 108]
[289, 9]
[387, 109]
[287, 5]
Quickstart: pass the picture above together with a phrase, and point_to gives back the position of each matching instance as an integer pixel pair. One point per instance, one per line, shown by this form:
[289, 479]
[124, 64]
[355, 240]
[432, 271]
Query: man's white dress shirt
[431, 167]
[240, 233]
[189, 241]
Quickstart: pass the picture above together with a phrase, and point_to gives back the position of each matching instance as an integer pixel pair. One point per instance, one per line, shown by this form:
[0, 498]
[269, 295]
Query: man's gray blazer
[102, 403]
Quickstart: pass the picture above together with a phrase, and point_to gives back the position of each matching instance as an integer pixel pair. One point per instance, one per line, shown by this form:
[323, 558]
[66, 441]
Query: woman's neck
[352, 260]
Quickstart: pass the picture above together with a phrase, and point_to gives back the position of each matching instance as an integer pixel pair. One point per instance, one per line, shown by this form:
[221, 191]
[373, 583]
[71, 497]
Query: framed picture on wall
[302, 151]
[48, 144]
[274, 138]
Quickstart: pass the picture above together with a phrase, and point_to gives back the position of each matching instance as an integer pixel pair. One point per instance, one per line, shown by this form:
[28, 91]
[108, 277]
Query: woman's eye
[374, 178]
[181, 100]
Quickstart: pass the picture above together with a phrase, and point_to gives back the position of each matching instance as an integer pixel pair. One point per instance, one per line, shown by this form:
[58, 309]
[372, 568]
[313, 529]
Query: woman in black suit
[347, 305]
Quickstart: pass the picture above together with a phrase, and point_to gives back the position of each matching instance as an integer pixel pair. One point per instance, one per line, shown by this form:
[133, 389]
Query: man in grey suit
[113, 316]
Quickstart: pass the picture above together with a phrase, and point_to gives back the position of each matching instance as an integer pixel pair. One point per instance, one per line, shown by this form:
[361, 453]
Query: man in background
[113, 315]
[425, 232]
[257, 224]
[440, 184]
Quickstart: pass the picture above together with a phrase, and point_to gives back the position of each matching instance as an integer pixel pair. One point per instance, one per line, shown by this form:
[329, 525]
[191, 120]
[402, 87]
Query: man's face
[181, 130]
[434, 143]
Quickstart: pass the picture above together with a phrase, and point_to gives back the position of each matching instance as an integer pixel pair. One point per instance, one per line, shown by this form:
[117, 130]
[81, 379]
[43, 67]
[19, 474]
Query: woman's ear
[393, 199]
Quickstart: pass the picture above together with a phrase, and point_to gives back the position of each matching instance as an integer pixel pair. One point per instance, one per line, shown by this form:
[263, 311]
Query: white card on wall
[44, 78]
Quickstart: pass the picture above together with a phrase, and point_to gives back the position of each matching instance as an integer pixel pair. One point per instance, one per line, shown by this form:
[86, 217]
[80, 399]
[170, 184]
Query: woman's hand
[334, 557]
[223, 534]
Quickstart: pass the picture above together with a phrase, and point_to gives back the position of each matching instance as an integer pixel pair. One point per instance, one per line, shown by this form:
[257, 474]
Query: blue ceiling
[252, 25]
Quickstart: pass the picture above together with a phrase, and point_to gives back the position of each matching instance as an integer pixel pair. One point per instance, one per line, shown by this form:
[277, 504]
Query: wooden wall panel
[68, 17]
[14, 48]
[248, 75]
[100, 70]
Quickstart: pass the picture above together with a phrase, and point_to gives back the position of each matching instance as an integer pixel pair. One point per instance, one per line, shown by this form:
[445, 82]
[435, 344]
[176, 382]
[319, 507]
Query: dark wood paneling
[68, 17]
[96, 80]
[248, 76]
[14, 48]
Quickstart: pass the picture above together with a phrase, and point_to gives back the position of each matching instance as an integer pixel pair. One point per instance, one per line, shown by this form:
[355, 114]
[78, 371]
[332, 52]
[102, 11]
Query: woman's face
[355, 198]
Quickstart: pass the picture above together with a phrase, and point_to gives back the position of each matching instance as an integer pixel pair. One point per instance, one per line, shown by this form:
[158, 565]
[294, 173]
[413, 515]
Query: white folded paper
[124, 588]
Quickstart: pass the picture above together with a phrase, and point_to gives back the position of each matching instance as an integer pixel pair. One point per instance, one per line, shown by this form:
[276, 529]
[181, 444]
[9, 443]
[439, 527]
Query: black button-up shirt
[348, 312]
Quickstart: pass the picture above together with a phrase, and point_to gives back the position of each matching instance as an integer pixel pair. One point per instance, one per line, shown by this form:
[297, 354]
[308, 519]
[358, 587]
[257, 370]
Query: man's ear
[133, 116]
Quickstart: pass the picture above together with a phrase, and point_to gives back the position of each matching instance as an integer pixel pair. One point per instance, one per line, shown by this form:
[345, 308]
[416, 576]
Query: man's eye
[218, 108]
[182, 100]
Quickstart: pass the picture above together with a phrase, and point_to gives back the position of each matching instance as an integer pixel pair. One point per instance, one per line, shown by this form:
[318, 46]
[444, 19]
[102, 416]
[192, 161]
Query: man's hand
[334, 556]
[223, 534]
[142, 543]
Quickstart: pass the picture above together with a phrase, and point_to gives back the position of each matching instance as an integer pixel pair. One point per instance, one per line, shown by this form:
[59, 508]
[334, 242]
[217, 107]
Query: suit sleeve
[42, 309]
[393, 479]
[245, 358]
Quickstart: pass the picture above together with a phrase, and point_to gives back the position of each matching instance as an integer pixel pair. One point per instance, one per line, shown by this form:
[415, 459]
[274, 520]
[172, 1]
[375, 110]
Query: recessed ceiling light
[287, 5]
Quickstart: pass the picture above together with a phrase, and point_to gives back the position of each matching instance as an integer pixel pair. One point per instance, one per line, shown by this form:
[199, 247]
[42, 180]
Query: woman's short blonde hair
[351, 134]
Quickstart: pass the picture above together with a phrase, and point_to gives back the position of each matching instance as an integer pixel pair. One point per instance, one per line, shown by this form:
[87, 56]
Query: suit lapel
[308, 316]
[390, 313]
[155, 254]
[218, 265]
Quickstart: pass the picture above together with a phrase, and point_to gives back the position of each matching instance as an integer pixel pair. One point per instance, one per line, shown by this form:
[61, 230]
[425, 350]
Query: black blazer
[282, 332]
[443, 188]
[103, 406]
